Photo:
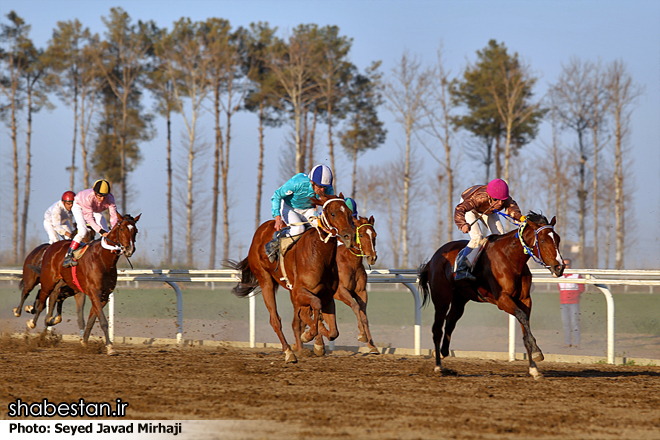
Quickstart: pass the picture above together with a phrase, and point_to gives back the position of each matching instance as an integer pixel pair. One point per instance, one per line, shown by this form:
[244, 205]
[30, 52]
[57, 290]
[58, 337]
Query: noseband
[113, 246]
[358, 242]
[324, 224]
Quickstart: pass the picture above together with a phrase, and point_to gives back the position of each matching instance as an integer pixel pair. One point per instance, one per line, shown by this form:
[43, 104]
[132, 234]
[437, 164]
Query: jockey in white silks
[58, 219]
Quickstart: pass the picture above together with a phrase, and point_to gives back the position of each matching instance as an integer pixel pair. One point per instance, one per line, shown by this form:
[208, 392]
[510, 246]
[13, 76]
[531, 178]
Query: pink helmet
[68, 196]
[498, 189]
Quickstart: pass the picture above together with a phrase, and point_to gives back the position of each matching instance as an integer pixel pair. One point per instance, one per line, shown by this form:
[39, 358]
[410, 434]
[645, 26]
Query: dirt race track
[343, 395]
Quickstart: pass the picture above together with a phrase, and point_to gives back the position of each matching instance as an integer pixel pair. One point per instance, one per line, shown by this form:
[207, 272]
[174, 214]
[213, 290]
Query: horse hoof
[30, 324]
[29, 309]
[362, 338]
[319, 350]
[110, 350]
[306, 337]
[537, 356]
[374, 350]
[83, 343]
[534, 372]
[289, 357]
[437, 369]
[16, 312]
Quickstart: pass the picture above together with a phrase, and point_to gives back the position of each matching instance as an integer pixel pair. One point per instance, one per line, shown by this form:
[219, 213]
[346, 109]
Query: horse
[352, 289]
[95, 274]
[310, 271]
[502, 278]
[30, 279]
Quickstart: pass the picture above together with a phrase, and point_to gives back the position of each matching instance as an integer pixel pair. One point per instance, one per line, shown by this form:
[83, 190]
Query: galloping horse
[352, 289]
[503, 279]
[30, 279]
[310, 271]
[95, 274]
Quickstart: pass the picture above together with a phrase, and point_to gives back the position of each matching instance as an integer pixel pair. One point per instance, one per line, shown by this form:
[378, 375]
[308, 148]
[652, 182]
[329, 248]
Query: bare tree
[438, 108]
[292, 63]
[406, 95]
[622, 93]
[122, 60]
[186, 66]
[573, 104]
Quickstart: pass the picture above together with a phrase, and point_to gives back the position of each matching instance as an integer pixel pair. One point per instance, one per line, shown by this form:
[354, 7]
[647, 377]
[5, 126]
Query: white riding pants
[292, 215]
[491, 221]
[80, 220]
[53, 236]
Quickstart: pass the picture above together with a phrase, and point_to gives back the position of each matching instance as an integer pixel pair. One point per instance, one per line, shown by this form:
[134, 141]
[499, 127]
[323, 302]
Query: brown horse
[503, 279]
[30, 279]
[95, 274]
[310, 267]
[352, 289]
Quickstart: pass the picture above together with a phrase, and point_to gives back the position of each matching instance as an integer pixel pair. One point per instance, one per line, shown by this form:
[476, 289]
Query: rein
[359, 243]
[113, 246]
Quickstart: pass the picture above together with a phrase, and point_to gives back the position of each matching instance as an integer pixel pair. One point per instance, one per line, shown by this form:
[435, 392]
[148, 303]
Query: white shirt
[60, 217]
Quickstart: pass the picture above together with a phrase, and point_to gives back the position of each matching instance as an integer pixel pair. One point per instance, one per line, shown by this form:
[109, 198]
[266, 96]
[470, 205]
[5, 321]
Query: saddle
[78, 253]
[466, 250]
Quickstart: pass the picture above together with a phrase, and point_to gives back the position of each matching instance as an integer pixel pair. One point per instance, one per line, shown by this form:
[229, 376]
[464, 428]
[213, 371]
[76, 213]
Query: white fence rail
[599, 278]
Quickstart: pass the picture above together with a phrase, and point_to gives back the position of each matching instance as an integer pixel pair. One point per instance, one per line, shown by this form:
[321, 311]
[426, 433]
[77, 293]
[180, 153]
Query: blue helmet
[352, 206]
[321, 175]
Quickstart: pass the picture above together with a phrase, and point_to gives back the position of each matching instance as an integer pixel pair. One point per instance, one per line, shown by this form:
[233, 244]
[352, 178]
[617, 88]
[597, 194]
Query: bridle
[323, 224]
[359, 242]
[530, 250]
[115, 247]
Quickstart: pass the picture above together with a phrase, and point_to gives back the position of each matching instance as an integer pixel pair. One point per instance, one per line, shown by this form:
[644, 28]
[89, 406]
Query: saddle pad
[80, 251]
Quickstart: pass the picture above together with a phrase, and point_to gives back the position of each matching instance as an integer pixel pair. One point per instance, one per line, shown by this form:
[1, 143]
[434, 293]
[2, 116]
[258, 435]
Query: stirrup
[69, 261]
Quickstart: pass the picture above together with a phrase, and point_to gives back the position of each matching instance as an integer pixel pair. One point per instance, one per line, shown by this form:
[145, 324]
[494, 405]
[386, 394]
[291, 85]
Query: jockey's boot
[273, 248]
[463, 270]
[68, 259]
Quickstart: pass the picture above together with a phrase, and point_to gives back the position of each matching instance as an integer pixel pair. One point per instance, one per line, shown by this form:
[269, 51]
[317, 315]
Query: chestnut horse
[95, 274]
[352, 289]
[310, 268]
[503, 279]
[30, 279]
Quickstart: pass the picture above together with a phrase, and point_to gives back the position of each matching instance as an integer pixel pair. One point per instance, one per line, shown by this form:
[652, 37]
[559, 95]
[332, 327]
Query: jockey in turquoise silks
[290, 205]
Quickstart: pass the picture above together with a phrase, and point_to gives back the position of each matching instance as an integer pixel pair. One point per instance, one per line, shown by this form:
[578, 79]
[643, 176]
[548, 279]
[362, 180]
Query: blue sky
[544, 33]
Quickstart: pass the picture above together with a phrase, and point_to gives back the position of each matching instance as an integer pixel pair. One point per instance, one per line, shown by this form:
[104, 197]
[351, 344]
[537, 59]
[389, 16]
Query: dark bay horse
[95, 274]
[30, 279]
[310, 267]
[352, 289]
[503, 279]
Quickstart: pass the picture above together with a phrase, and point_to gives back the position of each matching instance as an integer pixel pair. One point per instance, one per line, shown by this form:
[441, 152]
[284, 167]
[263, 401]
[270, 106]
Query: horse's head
[544, 242]
[365, 235]
[124, 234]
[336, 218]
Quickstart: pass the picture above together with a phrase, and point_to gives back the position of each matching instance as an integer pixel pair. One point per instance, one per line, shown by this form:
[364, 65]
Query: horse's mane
[539, 219]
[324, 198]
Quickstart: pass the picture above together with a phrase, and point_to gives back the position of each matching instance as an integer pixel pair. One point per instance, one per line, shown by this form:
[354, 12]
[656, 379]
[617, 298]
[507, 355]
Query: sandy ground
[341, 395]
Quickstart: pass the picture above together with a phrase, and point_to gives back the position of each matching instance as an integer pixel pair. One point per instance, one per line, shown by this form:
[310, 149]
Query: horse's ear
[371, 220]
[119, 216]
[341, 195]
[553, 221]
[138, 217]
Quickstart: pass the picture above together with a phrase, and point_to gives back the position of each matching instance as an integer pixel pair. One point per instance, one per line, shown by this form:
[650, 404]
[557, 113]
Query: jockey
[480, 202]
[58, 219]
[352, 206]
[87, 208]
[290, 204]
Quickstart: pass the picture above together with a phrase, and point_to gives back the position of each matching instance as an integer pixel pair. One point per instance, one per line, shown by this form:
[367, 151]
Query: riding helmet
[102, 187]
[352, 206]
[321, 175]
[498, 189]
[68, 196]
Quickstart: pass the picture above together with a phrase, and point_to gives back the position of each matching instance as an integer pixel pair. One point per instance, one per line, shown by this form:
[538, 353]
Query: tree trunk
[72, 184]
[406, 199]
[170, 226]
[595, 196]
[331, 149]
[28, 169]
[216, 176]
[354, 193]
[582, 198]
[260, 166]
[14, 139]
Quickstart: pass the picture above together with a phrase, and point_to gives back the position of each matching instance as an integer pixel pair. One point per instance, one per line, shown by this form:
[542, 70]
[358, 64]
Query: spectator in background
[569, 299]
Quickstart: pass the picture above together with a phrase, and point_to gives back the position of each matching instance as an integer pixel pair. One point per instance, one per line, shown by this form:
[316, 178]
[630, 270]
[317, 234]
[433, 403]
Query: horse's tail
[248, 280]
[423, 275]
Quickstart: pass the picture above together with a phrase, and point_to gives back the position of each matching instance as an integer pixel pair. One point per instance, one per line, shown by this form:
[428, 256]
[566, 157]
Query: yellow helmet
[102, 187]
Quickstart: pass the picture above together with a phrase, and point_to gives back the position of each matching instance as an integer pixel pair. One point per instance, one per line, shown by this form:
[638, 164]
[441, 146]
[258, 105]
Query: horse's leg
[306, 320]
[80, 309]
[438, 323]
[521, 312]
[39, 304]
[25, 292]
[329, 315]
[302, 297]
[88, 329]
[54, 306]
[344, 295]
[268, 294]
[455, 312]
[33, 308]
[97, 307]
[361, 293]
